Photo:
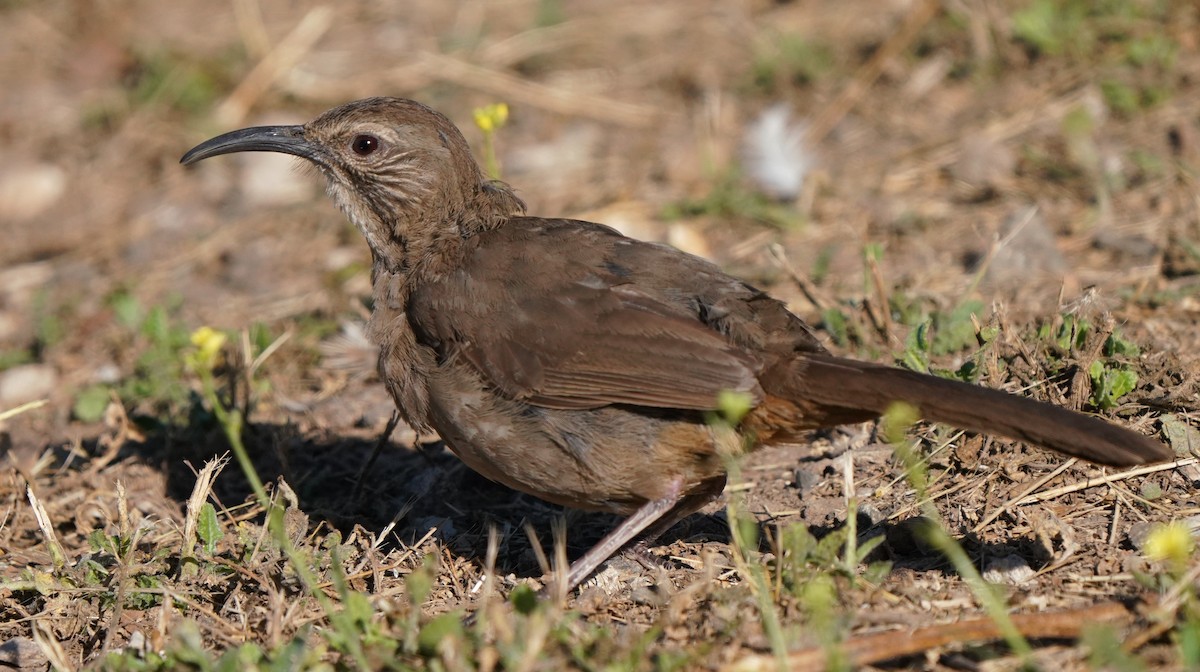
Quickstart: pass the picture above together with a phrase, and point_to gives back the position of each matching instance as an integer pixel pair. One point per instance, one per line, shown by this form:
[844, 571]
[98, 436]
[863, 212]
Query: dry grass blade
[854, 92]
[1104, 480]
[200, 492]
[779, 256]
[46, 525]
[1010, 504]
[51, 647]
[883, 646]
[539, 553]
[278, 61]
[23, 408]
[560, 565]
[525, 92]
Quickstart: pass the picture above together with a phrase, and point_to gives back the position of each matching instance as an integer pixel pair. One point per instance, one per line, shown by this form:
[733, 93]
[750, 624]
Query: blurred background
[921, 154]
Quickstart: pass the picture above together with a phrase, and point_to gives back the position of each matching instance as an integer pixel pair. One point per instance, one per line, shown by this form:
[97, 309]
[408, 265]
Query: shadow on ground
[407, 492]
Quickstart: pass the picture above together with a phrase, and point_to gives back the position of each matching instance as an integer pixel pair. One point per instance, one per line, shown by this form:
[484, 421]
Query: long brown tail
[837, 383]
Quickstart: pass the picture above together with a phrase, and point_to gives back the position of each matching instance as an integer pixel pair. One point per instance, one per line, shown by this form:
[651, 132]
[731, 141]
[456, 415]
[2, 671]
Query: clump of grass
[731, 199]
[1132, 60]
[937, 333]
[166, 79]
[805, 570]
[158, 387]
[157, 384]
[784, 61]
[1111, 374]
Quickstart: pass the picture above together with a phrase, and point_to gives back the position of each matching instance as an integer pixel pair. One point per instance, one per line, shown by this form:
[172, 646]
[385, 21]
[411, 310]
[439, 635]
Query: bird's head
[402, 172]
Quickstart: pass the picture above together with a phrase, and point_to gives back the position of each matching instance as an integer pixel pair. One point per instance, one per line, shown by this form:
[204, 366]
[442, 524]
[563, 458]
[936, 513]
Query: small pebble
[1010, 569]
[27, 382]
[29, 190]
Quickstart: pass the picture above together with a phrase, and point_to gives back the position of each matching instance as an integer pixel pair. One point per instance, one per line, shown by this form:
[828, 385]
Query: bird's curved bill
[283, 139]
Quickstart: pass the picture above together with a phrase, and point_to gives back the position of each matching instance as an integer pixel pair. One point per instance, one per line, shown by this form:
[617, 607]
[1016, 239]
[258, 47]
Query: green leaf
[834, 321]
[524, 599]
[208, 528]
[1116, 345]
[127, 309]
[140, 600]
[1109, 385]
[955, 331]
[447, 625]
[968, 372]
[91, 402]
[358, 607]
[876, 572]
[1182, 437]
[101, 542]
[865, 548]
[916, 350]
[420, 582]
[745, 531]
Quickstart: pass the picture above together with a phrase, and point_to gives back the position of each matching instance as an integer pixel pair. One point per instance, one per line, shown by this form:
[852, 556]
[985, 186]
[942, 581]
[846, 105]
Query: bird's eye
[364, 145]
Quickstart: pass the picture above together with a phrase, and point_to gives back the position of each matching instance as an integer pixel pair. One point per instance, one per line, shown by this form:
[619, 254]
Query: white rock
[1010, 569]
[27, 382]
[106, 373]
[29, 190]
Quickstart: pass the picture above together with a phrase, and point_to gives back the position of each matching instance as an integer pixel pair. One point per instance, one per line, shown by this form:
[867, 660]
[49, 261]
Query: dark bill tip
[284, 139]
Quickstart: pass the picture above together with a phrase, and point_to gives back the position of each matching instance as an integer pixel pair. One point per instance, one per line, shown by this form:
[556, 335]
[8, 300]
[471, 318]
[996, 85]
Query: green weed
[158, 383]
[730, 198]
[164, 78]
[11, 357]
[1133, 63]
[1111, 376]
[784, 61]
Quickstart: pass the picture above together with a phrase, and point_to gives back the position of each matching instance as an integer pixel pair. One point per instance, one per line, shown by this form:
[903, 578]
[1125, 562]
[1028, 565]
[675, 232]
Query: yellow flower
[734, 405]
[899, 417]
[1171, 542]
[208, 342]
[490, 117]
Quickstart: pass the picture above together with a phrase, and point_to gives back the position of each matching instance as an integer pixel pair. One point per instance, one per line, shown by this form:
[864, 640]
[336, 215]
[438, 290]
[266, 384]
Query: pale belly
[605, 459]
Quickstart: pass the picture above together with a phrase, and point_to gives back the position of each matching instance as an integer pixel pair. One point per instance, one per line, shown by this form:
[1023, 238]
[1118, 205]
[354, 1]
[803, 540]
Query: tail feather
[848, 384]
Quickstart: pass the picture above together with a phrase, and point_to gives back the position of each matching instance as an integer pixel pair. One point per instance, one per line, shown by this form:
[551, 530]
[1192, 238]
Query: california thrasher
[567, 361]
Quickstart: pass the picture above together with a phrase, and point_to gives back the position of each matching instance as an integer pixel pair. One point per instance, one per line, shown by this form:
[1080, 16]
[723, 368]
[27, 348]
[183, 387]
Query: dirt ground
[1031, 163]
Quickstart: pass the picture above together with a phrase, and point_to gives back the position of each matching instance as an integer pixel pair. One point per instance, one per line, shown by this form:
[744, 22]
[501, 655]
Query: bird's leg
[686, 506]
[646, 524]
[639, 520]
[392, 423]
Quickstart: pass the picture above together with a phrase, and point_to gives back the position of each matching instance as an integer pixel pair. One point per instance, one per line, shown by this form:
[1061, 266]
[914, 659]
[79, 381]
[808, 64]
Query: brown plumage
[567, 361]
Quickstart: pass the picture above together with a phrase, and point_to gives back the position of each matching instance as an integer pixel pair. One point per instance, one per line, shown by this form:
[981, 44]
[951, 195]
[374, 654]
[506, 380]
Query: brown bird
[567, 361]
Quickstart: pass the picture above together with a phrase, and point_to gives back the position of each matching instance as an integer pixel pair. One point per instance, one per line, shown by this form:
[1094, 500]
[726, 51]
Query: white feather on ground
[776, 154]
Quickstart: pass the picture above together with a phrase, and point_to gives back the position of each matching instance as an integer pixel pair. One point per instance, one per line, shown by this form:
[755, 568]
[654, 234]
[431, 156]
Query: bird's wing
[609, 346]
[577, 336]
